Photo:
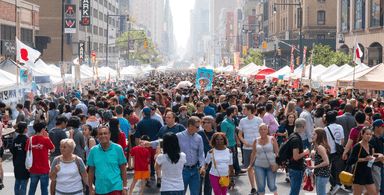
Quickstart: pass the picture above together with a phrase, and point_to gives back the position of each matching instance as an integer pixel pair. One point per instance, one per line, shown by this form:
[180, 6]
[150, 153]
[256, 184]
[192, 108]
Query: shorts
[141, 175]
[247, 158]
[376, 175]
[117, 192]
[1, 152]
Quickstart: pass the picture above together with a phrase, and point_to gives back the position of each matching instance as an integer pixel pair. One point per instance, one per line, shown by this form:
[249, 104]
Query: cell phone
[161, 144]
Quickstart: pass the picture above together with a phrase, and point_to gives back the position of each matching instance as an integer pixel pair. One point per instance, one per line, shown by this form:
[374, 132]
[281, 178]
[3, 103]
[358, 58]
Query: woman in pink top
[270, 120]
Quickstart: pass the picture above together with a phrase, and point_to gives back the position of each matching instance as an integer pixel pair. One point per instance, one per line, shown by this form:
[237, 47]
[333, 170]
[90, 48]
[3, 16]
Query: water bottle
[370, 163]
[286, 135]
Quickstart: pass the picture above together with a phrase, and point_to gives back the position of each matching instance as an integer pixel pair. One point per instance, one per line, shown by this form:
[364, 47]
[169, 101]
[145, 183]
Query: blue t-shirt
[148, 126]
[107, 167]
[209, 111]
[125, 126]
[165, 129]
[121, 100]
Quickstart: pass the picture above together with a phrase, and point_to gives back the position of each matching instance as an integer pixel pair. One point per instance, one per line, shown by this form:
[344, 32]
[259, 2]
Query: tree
[141, 55]
[255, 56]
[325, 56]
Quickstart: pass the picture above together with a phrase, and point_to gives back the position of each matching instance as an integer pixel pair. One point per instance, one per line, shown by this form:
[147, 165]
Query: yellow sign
[145, 45]
[279, 52]
[264, 45]
[245, 50]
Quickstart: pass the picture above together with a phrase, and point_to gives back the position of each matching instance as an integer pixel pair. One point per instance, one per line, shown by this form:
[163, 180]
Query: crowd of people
[183, 138]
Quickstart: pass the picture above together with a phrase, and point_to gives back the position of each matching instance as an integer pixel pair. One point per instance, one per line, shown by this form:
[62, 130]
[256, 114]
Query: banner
[25, 76]
[292, 60]
[304, 60]
[111, 35]
[236, 61]
[81, 52]
[245, 50]
[70, 18]
[204, 78]
[42, 79]
[86, 12]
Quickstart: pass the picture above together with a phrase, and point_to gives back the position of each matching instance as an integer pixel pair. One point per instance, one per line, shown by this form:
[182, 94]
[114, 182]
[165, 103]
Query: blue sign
[204, 78]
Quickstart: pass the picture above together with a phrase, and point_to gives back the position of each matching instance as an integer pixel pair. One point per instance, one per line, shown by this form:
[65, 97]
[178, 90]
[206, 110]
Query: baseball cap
[153, 105]
[147, 110]
[378, 122]
[299, 124]
[111, 93]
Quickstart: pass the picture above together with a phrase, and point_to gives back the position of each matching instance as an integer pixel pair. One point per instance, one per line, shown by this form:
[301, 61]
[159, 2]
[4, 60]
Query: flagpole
[310, 68]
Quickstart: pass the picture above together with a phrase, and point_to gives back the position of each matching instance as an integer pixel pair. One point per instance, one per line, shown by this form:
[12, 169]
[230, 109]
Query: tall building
[363, 18]
[215, 7]
[21, 19]
[199, 17]
[151, 14]
[168, 36]
[50, 25]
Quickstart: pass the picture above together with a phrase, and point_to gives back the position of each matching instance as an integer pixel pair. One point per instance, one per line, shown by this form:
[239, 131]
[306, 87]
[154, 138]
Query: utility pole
[89, 51]
[274, 57]
[106, 58]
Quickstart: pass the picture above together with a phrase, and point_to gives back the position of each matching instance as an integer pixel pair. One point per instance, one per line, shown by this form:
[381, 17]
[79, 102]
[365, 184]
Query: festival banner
[25, 76]
[304, 60]
[204, 78]
[295, 83]
[292, 60]
[236, 61]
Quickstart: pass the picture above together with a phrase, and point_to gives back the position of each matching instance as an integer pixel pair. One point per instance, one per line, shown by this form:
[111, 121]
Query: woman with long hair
[286, 129]
[159, 99]
[320, 153]
[291, 107]
[67, 111]
[362, 152]
[27, 110]
[318, 119]
[139, 105]
[260, 111]
[117, 136]
[51, 116]
[171, 164]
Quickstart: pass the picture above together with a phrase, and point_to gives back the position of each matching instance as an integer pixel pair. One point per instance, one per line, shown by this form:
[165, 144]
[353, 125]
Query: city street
[242, 183]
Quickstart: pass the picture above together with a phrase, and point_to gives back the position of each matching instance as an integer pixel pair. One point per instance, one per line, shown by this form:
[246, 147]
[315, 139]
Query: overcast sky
[181, 20]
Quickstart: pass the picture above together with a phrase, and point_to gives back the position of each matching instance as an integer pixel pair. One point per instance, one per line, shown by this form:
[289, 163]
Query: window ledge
[358, 30]
[375, 27]
[343, 32]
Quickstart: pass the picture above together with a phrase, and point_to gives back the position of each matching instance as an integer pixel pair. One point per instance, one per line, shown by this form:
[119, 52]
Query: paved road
[242, 183]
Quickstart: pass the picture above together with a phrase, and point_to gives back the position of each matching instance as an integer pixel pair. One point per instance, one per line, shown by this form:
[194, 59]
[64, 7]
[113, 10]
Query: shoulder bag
[347, 178]
[339, 148]
[274, 166]
[52, 188]
[29, 158]
[223, 181]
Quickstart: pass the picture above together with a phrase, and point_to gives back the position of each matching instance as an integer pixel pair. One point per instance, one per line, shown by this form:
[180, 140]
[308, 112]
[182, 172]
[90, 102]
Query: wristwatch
[125, 188]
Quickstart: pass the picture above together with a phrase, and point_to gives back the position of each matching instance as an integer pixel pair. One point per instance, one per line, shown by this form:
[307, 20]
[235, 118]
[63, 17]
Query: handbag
[29, 158]
[223, 181]
[347, 178]
[339, 148]
[274, 166]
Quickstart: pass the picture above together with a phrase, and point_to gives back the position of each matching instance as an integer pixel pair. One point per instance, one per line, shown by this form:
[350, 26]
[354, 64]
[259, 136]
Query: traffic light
[127, 18]
[162, 56]
[145, 45]
[254, 41]
[264, 45]
[279, 52]
[298, 61]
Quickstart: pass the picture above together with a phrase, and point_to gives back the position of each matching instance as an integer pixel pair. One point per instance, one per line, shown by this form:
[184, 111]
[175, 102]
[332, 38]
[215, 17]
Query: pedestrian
[170, 125]
[51, 116]
[57, 134]
[362, 153]
[377, 144]
[68, 170]
[270, 119]
[320, 153]
[107, 162]
[249, 126]
[171, 164]
[354, 134]
[19, 156]
[75, 134]
[306, 115]
[39, 144]
[142, 159]
[296, 166]
[264, 150]
[221, 158]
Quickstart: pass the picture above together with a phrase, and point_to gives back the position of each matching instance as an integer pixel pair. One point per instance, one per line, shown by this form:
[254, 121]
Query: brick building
[17, 18]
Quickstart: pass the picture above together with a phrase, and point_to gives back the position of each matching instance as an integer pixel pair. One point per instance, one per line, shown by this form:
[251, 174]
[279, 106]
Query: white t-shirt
[250, 129]
[68, 178]
[338, 134]
[223, 158]
[172, 178]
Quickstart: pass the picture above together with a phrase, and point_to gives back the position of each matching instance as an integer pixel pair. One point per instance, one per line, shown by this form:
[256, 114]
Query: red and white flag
[26, 54]
[76, 61]
[358, 54]
[292, 60]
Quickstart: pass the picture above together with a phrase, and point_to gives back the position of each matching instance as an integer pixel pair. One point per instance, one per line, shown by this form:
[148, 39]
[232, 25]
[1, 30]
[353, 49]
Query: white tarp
[7, 80]
[330, 78]
[244, 71]
[283, 71]
[130, 70]
[256, 70]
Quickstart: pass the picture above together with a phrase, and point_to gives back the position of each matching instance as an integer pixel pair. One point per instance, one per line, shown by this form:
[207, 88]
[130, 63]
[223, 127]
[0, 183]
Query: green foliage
[141, 55]
[325, 56]
[254, 56]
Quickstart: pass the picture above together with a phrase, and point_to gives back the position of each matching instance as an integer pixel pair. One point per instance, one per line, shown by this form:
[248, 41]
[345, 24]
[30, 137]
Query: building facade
[17, 18]
[363, 18]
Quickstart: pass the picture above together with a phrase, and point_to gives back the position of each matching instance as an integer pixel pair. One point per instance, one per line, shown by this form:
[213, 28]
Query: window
[376, 9]
[95, 30]
[105, 32]
[320, 36]
[26, 35]
[345, 15]
[105, 18]
[359, 14]
[101, 16]
[8, 32]
[101, 48]
[101, 31]
[95, 13]
[321, 18]
[95, 46]
[105, 3]
[89, 29]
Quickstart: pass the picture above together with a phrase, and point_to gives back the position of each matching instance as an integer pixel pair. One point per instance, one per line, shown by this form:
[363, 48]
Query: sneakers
[158, 182]
[287, 178]
[253, 191]
[153, 177]
[1, 184]
[148, 184]
[334, 189]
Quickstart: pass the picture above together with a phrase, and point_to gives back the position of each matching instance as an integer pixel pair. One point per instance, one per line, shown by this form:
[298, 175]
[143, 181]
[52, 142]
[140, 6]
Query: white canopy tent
[227, 69]
[246, 69]
[106, 71]
[7, 80]
[283, 71]
[330, 78]
[256, 70]
[129, 71]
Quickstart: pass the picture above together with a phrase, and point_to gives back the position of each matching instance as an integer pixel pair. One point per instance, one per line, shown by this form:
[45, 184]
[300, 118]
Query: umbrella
[183, 84]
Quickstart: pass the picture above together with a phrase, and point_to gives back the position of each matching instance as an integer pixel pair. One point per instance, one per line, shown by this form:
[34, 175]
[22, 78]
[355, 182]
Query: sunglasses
[204, 122]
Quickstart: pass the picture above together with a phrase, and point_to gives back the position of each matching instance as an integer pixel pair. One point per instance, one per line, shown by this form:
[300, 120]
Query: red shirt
[141, 158]
[134, 120]
[382, 112]
[354, 135]
[40, 147]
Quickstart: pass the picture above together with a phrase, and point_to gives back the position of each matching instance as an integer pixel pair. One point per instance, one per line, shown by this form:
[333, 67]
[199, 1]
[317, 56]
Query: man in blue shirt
[171, 125]
[121, 97]
[124, 124]
[106, 161]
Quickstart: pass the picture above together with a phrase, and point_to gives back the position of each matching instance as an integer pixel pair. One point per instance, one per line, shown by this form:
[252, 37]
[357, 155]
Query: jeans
[321, 185]
[263, 174]
[207, 182]
[236, 165]
[191, 177]
[306, 145]
[335, 160]
[296, 177]
[44, 181]
[173, 192]
[21, 186]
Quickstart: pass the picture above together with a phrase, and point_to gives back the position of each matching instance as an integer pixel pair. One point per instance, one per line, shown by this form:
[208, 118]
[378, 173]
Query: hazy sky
[181, 20]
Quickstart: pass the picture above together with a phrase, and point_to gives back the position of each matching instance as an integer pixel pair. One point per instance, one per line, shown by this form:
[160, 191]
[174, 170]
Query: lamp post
[300, 21]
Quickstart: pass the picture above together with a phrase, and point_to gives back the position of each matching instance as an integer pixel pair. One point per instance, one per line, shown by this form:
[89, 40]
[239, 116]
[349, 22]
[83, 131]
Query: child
[142, 160]
[19, 155]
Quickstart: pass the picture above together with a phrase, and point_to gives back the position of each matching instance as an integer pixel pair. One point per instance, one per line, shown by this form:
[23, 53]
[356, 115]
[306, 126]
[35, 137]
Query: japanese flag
[26, 54]
[76, 61]
[358, 54]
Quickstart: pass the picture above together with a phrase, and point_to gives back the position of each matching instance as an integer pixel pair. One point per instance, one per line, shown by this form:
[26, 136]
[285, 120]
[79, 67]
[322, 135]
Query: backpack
[219, 127]
[285, 152]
